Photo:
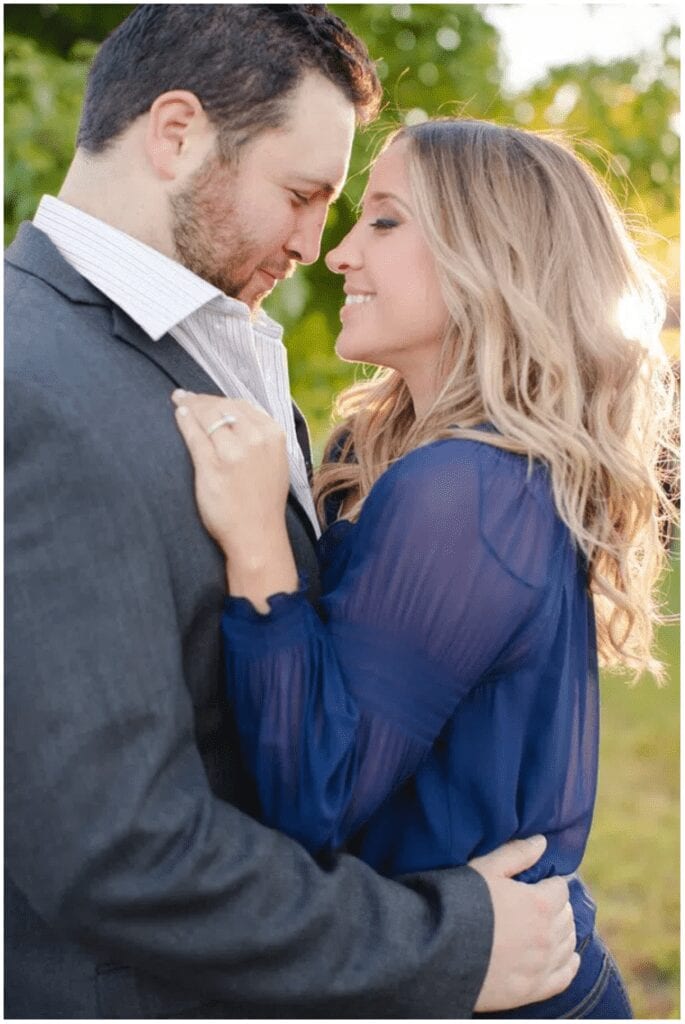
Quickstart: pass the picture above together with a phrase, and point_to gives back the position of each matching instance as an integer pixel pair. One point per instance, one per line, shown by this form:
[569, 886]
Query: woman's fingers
[208, 409]
[241, 469]
[226, 421]
[194, 434]
[206, 414]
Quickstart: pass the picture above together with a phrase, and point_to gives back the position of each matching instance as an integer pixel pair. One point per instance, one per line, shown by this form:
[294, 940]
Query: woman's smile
[355, 301]
[389, 269]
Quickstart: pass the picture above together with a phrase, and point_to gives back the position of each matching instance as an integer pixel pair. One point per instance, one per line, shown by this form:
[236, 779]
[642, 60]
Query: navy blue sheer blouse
[443, 697]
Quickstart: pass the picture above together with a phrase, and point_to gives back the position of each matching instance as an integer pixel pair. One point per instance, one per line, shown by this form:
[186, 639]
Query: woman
[491, 504]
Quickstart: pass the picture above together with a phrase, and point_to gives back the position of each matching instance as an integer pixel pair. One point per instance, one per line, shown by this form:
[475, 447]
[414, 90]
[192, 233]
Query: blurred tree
[624, 118]
[56, 27]
[433, 59]
[43, 96]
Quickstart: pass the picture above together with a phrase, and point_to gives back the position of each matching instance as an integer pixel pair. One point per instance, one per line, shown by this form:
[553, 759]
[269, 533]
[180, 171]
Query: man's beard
[207, 235]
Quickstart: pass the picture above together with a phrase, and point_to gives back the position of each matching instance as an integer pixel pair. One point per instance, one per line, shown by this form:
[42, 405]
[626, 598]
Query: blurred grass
[632, 864]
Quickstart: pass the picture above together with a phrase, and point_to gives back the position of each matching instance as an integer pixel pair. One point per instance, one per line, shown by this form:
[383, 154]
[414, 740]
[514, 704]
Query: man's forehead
[318, 133]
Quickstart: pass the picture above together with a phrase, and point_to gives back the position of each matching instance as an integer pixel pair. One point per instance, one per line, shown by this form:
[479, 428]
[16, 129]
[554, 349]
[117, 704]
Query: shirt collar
[153, 290]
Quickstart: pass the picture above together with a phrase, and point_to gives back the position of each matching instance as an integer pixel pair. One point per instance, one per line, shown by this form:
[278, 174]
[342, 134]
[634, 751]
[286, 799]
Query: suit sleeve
[114, 836]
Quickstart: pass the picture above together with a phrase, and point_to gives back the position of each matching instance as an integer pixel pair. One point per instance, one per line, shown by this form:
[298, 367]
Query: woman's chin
[351, 351]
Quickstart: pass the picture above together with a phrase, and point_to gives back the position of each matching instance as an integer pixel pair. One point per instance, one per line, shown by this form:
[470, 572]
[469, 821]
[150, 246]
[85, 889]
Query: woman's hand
[241, 486]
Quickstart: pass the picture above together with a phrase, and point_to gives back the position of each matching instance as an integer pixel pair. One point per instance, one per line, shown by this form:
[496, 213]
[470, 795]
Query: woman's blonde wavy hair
[554, 339]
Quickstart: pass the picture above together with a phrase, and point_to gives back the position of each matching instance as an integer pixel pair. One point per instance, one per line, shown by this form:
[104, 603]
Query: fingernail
[178, 393]
[182, 410]
[536, 840]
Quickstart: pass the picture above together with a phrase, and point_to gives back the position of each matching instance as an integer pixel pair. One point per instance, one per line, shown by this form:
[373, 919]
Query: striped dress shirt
[243, 354]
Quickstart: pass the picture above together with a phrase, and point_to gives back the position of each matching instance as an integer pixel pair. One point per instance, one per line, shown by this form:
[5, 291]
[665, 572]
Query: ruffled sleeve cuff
[289, 616]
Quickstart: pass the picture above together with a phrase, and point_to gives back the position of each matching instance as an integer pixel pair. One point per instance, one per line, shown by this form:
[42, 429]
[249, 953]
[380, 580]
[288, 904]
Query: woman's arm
[336, 710]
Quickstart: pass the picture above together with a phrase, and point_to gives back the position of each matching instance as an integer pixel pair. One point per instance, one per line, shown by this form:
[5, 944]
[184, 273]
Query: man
[212, 140]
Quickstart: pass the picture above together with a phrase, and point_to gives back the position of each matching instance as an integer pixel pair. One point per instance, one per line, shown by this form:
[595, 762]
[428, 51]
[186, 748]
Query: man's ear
[178, 133]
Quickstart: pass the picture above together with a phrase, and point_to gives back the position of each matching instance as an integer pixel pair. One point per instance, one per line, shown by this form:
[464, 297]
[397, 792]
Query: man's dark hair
[240, 60]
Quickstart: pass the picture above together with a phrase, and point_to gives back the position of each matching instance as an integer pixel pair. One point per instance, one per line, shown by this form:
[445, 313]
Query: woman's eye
[299, 198]
[383, 224]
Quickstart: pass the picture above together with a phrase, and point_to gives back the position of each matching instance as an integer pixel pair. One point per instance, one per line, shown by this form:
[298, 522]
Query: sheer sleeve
[337, 707]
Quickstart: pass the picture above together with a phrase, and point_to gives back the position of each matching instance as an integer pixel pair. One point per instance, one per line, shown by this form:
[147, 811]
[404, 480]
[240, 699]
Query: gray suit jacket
[138, 883]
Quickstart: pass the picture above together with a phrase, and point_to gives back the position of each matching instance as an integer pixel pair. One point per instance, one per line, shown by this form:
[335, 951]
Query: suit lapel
[182, 370]
[170, 357]
[303, 439]
[33, 252]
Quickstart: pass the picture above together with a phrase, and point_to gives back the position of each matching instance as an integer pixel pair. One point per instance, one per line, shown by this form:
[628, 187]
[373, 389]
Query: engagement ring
[226, 421]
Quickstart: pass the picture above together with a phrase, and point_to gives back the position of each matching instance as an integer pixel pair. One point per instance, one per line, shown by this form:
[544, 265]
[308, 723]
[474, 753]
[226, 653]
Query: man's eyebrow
[322, 186]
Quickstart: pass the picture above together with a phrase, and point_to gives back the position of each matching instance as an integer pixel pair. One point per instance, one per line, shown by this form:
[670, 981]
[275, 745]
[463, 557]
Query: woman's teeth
[355, 300]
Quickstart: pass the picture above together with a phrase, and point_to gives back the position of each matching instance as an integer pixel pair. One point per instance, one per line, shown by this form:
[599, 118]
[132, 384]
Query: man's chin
[254, 293]
[252, 300]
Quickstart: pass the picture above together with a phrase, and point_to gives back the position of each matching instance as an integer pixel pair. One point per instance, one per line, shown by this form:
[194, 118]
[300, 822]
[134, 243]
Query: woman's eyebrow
[378, 197]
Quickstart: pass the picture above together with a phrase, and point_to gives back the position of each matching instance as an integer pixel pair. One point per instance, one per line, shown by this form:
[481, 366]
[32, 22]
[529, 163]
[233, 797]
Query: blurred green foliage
[437, 59]
[56, 27]
[628, 113]
[434, 59]
[43, 96]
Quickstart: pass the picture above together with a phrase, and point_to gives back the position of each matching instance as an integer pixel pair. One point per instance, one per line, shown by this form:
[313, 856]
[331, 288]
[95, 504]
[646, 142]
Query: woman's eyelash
[304, 200]
[383, 222]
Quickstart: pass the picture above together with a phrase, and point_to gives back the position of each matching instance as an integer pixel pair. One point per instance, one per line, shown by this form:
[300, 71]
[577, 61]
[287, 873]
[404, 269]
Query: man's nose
[304, 244]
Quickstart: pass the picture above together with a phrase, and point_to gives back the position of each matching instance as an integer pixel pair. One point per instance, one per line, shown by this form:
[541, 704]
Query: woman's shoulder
[470, 462]
[506, 496]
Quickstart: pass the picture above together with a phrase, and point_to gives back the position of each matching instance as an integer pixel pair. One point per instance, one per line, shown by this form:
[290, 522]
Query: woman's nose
[343, 257]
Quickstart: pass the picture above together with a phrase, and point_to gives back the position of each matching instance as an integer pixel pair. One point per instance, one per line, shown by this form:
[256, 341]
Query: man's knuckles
[550, 896]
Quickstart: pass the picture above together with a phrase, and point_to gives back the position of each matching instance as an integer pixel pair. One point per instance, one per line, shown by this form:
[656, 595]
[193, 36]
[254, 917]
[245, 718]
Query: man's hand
[534, 940]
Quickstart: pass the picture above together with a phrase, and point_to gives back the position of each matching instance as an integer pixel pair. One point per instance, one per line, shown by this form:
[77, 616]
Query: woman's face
[394, 314]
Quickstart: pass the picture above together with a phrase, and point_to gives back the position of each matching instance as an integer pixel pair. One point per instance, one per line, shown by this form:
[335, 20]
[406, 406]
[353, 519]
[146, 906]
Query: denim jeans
[596, 993]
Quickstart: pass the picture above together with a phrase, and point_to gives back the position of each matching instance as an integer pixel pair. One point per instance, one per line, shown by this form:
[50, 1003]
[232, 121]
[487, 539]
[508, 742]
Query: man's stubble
[209, 238]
